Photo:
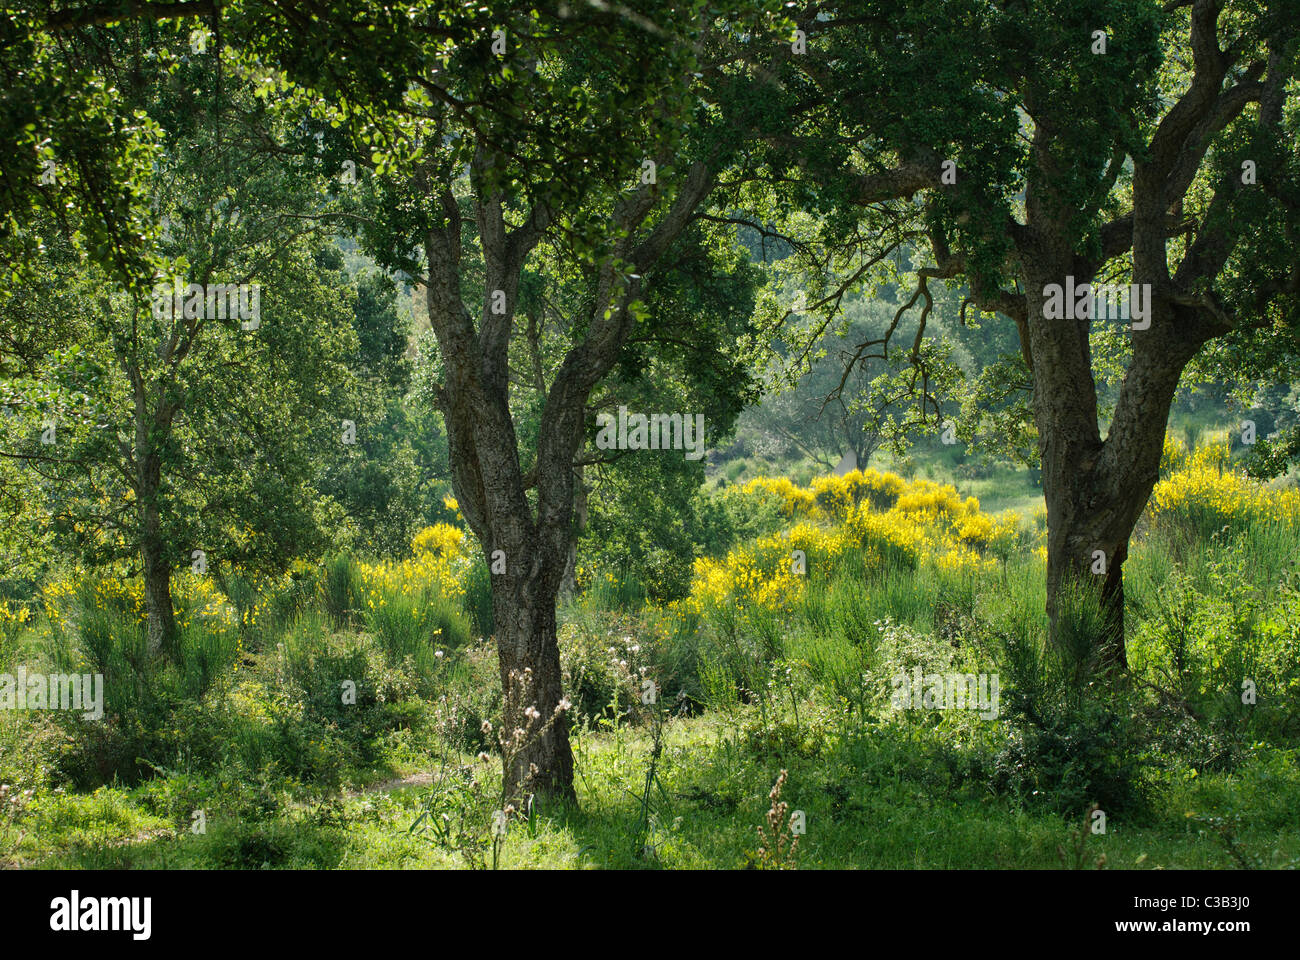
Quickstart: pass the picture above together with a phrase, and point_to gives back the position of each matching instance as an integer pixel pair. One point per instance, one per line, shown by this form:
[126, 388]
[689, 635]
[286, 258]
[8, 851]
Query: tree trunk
[532, 534]
[161, 619]
[569, 583]
[535, 731]
[1079, 545]
[157, 571]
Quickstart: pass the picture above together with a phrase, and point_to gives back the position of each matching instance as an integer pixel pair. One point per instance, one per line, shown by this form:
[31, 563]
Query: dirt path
[388, 786]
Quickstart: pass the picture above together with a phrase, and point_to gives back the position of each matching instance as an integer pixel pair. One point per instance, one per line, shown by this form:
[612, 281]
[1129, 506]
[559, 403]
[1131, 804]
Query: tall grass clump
[861, 548]
[1074, 740]
[478, 599]
[342, 588]
[413, 607]
[423, 628]
[97, 628]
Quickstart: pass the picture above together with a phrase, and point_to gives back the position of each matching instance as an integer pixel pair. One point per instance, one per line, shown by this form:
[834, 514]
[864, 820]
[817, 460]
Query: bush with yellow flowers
[441, 538]
[413, 606]
[194, 598]
[793, 500]
[12, 620]
[198, 599]
[760, 574]
[438, 564]
[1203, 495]
[93, 592]
[873, 520]
[887, 538]
[1173, 456]
[831, 497]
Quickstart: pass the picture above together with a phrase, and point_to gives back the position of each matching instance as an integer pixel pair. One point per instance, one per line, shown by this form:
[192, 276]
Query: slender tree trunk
[156, 564]
[527, 558]
[569, 584]
[161, 619]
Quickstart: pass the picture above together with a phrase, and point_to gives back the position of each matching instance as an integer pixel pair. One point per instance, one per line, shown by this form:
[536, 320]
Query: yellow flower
[1206, 493]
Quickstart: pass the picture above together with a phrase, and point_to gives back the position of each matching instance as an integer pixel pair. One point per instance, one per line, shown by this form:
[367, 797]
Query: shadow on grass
[264, 845]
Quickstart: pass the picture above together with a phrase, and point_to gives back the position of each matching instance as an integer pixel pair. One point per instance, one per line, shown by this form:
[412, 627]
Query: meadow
[346, 714]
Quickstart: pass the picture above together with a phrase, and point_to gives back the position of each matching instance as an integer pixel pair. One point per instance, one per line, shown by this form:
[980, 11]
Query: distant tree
[837, 407]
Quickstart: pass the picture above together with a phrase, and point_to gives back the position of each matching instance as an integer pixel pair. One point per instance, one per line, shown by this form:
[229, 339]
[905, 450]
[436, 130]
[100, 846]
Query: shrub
[1205, 643]
[343, 697]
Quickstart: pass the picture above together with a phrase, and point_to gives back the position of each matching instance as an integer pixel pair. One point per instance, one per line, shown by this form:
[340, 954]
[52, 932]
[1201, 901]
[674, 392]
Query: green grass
[868, 803]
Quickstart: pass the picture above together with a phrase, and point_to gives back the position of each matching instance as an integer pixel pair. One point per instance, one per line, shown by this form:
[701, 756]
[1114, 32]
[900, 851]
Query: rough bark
[1096, 488]
[161, 624]
[535, 730]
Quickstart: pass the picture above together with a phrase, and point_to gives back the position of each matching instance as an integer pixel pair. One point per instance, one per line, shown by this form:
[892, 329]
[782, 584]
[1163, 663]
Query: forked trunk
[1096, 490]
